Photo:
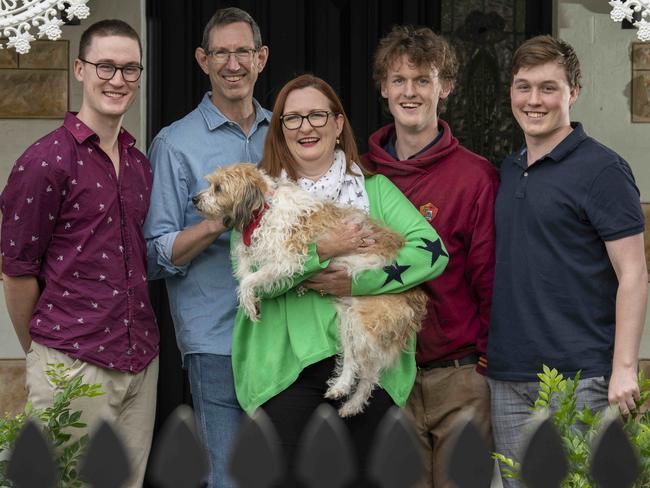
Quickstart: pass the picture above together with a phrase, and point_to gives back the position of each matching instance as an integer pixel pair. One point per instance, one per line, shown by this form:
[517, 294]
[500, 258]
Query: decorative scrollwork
[636, 12]
[17, 17]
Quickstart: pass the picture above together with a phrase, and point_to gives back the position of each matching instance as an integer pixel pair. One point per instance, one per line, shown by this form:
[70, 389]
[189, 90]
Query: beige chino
[128, 401]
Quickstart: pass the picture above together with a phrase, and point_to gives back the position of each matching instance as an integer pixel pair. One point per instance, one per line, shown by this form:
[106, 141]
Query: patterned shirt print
[70, 221]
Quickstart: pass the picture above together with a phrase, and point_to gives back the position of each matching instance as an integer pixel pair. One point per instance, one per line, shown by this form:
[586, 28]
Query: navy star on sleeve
[435, 248]
[394, 272]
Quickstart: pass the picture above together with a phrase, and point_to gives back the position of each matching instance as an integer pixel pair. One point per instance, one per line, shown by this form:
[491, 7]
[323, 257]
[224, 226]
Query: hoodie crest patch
[429, 211]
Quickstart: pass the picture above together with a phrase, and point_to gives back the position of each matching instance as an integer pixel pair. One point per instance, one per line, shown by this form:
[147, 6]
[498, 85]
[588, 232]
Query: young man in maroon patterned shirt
[74, 256]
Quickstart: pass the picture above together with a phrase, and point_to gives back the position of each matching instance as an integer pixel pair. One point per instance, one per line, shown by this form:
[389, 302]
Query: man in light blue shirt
[192, 253]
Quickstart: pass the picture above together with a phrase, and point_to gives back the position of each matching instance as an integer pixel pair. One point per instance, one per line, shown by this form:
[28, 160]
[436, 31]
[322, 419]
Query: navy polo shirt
[554, 286]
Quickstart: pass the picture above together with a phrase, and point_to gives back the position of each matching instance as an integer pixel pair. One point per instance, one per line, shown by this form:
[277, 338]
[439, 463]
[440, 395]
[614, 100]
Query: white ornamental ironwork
[18, 17]
[635, 11]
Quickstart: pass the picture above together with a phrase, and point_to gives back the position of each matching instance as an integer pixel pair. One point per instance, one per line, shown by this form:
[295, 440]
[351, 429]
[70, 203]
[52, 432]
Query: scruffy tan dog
[373, 330]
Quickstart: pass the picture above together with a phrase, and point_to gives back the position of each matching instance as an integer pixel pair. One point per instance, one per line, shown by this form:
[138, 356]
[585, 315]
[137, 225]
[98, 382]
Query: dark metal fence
[178, 459]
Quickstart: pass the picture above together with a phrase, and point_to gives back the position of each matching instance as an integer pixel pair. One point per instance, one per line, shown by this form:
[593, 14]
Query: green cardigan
[297, 331]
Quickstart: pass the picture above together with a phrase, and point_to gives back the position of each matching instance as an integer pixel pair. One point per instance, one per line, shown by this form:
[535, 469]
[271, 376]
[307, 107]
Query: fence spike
[544, 463]
[613, 463]
[31, 464]
[178, 458]
[326, 458]
[396, 459]
[470, 464]
[256, 460]
[105, 444]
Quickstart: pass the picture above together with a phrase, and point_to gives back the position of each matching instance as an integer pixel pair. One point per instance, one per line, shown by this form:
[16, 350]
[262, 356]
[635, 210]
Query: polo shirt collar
[569, 143]
[559, 152]
[81, 132]
[214, 118]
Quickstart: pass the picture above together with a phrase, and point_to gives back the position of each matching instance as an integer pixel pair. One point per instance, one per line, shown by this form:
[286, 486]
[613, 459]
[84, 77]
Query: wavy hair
[423, 47]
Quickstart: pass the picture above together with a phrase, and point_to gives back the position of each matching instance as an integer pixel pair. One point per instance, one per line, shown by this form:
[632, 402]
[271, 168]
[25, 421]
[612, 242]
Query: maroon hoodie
[455, 190]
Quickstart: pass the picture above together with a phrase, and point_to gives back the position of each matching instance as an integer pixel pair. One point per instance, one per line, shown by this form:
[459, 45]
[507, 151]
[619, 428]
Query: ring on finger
[363, 241]
[321, 292]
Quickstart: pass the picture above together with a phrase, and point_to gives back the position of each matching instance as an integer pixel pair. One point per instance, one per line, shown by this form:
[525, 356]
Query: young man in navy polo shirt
[570, 283]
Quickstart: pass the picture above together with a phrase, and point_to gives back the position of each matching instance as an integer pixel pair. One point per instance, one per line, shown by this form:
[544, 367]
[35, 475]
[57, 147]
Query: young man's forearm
[630, 319]
[21, 295]
[628, 260]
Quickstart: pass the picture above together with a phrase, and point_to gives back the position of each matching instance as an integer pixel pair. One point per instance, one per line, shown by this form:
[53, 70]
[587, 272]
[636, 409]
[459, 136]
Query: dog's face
[234, 193]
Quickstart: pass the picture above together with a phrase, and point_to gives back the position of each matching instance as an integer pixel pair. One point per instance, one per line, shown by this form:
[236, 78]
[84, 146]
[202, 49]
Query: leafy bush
[578, 429]
[56, 420]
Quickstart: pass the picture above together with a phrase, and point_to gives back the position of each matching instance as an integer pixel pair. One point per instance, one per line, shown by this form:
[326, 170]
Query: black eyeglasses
[242, 55]
[317, 118]
[106, 71]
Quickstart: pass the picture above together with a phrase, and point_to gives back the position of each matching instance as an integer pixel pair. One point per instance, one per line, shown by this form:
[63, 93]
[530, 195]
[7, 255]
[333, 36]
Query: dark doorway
[335, 39]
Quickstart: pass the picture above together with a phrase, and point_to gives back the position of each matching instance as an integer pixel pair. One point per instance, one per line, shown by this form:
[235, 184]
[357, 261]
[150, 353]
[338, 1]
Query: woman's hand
[350, 238]
[330, 281]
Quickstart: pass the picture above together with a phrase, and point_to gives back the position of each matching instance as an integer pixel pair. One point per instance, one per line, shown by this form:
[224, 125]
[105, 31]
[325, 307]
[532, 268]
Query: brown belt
[469, 359]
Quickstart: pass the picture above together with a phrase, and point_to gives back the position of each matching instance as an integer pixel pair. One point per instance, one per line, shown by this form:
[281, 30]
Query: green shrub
[56, 420]
[578, 429]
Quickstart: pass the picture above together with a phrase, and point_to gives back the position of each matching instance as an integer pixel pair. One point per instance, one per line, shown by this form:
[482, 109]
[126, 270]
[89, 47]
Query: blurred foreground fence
[326, 460]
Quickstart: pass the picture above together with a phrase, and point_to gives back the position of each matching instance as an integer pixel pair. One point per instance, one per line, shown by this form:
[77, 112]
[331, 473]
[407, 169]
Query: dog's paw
[255, 316]
[350, 409]
[250, 307]
[252, 311]
[336, 392]
[249, 302]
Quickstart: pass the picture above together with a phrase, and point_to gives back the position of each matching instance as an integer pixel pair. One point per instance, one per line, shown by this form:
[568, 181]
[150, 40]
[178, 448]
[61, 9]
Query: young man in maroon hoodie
[454, 189]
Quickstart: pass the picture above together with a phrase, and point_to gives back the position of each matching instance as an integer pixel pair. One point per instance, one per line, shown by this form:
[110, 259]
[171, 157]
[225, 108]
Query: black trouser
[291, 409]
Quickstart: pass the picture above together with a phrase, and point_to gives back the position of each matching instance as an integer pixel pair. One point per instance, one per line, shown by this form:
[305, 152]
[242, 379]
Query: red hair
[276, 152]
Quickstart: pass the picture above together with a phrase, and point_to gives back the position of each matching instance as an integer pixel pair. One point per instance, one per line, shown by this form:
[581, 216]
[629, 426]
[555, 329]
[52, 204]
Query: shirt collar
[81, 132]
[392, 140]
[214, 118]
[569, 143]
[559, 152]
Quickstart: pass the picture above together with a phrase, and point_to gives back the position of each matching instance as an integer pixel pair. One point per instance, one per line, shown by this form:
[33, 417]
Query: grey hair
[230, 15]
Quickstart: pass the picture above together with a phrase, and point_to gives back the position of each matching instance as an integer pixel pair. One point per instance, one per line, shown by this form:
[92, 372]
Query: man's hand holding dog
[194, 240]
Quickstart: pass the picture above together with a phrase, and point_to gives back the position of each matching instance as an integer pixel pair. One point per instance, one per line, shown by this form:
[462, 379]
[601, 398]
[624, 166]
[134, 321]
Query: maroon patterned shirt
[70, 222]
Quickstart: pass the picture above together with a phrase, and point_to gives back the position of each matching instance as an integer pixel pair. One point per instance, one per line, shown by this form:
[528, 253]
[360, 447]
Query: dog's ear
[242, 211]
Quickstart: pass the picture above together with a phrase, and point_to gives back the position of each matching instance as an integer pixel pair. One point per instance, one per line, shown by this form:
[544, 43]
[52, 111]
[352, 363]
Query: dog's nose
[195, 200]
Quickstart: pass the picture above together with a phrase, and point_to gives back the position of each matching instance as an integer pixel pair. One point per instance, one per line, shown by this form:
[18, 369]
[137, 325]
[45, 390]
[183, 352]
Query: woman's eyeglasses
[317, 118]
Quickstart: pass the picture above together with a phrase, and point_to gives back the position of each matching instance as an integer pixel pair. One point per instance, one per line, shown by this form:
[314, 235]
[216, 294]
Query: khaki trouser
[128, 402]
[438, 397]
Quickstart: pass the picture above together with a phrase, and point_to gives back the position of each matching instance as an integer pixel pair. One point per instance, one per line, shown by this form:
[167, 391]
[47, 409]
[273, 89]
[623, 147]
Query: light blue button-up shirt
[202, 296]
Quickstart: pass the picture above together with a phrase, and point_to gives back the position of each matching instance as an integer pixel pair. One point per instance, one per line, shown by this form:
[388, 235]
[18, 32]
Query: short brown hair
[422, 46]
[276, 152]
[106, 28]
[227, 16]
[544, 49]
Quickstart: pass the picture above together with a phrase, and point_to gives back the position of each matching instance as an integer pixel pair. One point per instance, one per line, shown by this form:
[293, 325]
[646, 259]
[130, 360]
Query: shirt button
[129, 352]
[525, 173]
[130, 292]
